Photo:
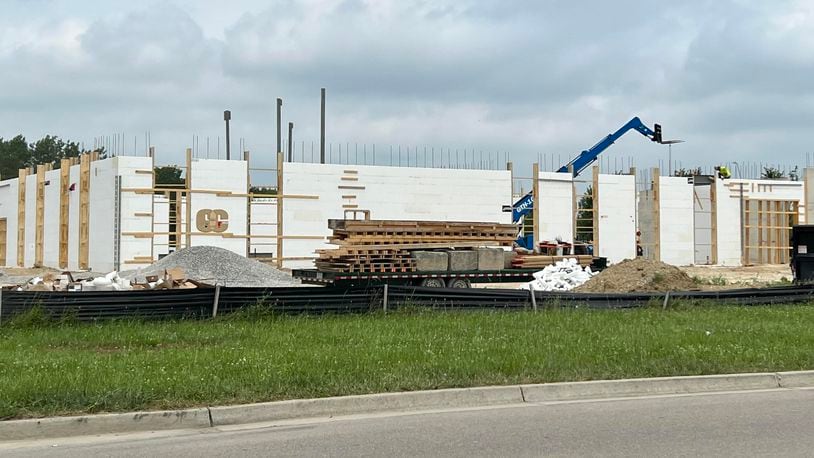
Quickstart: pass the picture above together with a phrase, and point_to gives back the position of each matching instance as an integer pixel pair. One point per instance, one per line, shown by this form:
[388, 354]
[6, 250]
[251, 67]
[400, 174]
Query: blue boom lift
[525, 205]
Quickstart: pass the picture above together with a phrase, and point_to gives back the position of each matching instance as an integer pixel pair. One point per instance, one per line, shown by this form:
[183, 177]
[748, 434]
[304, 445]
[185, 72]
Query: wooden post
[215, 302]
[535, 194]
[746, 234]
[657, 214]
[64, 210]
[574, 208]
[279, 256]
[39, 216]
[595, 209]
[84, 211]
[188, 212]
[21, 217]
[152, 207]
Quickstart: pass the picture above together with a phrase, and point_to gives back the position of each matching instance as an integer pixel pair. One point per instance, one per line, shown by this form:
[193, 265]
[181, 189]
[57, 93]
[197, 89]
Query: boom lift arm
[525, 205]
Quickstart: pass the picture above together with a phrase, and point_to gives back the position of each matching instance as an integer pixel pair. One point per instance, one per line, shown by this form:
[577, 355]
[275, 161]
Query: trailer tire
[433, 283]
[459, 283]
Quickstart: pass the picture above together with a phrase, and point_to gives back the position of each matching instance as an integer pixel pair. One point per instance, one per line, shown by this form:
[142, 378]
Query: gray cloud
[730, 77]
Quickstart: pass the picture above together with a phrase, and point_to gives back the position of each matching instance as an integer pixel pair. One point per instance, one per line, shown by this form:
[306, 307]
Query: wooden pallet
[386, 245]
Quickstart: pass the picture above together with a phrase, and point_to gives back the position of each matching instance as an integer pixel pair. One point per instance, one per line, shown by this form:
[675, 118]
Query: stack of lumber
[540, 261]
[386, 245]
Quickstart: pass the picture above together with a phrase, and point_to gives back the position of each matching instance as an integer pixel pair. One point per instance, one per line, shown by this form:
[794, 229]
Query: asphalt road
[764, 423]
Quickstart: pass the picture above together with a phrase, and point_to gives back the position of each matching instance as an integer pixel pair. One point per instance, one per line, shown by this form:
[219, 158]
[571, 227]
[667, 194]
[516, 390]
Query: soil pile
[215, 265]
[638, 275]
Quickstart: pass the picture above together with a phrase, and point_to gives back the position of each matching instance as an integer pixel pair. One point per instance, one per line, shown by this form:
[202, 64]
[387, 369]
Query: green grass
[60, 368]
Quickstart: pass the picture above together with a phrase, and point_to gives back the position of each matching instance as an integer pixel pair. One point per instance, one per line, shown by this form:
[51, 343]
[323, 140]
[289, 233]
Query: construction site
[323, 220]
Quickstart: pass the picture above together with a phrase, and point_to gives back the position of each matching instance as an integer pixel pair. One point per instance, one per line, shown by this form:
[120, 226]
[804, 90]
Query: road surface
[772, 422]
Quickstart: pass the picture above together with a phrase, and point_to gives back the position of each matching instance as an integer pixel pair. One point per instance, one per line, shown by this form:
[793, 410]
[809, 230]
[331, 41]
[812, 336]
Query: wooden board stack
[385, 245]
[540, 261]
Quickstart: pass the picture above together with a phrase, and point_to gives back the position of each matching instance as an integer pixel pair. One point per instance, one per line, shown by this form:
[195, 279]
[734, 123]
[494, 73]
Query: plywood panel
[3, 238]
[39, 225]
[64, 211]
[84, 211]
[21, 218]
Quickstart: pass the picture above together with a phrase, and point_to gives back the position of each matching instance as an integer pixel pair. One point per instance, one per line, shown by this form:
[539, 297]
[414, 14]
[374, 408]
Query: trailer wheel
[459, 283]
[433, 283]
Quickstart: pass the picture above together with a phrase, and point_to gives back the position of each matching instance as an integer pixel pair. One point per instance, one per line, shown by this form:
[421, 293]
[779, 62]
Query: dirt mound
[638, 275]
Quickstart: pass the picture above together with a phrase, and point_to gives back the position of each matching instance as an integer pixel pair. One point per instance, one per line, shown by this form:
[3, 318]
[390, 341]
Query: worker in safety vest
[723, 172]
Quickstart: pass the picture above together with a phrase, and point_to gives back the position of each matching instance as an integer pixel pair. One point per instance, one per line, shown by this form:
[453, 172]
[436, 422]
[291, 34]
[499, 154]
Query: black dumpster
[802, 252]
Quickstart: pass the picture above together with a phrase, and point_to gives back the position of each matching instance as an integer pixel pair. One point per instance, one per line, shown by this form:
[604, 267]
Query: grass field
[49, 369]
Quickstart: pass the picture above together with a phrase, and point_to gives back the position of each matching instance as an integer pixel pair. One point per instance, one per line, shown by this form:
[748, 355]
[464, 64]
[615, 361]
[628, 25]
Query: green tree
[682, 172]
[772, 173]
[14, 156]
[585, 216]
[168, 175]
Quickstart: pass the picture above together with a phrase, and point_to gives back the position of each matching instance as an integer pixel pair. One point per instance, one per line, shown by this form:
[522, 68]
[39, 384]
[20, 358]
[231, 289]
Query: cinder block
[463, 260]
[508, 257]
[431, 261]
[490, 259]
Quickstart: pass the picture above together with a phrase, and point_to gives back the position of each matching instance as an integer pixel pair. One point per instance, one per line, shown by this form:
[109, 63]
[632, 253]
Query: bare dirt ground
[749, 276]
[714, 277]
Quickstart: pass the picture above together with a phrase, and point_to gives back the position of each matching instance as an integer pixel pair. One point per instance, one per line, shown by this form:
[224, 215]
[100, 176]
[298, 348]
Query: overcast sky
[732, 78]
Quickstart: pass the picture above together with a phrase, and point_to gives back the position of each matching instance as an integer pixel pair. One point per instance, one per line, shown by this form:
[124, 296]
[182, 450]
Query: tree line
[16, 153]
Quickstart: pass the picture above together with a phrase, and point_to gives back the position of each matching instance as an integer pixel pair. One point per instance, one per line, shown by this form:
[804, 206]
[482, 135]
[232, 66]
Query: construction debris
[564, 275]
[540, 261]
[170, 279]
[400, 246]
[639, 275]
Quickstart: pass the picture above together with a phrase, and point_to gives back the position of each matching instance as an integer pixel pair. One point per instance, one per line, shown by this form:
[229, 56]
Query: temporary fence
[209, 302]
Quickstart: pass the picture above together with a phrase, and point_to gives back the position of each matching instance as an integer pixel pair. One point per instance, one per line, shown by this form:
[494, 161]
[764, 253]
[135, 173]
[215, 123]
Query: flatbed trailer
[441, 279]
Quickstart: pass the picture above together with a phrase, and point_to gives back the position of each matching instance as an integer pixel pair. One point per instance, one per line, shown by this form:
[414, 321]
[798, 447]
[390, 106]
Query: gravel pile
[638, 275]
[212, 265]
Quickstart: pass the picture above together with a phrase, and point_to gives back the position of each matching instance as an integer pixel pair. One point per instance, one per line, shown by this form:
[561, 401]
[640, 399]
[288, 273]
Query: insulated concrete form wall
[555, 201]
[702, 210]
[30, 218]
[677, 245]
[729, 208]
[263, 225]
[135, 212]
[617, 217]
[220, 184]
[51, 219]
[8, 210]
[388, 193]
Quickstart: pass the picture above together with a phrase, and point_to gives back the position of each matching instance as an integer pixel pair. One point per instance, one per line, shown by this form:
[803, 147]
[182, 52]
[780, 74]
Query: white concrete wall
[30, 218]
[617, 217]
[226, 176]
[702, 208]
[556, 203]
[676, 212]
[73, 219]
[8, 210]
[389, 193]
[102, 218]
[728, 216]
[135, 173]
[51, 219]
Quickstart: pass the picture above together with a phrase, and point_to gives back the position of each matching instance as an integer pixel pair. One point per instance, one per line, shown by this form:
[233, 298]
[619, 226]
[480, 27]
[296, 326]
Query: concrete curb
[348, 405]
[390, 402]
[83, 425]
[643, 387]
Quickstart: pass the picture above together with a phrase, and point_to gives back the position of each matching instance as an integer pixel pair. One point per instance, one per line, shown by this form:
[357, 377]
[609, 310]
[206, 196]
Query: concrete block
[431, 261]
[508, 257]
[349, 405]
[104, 424]
[463, 260]
[490, 259]
[550, 392]
[798, 379]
